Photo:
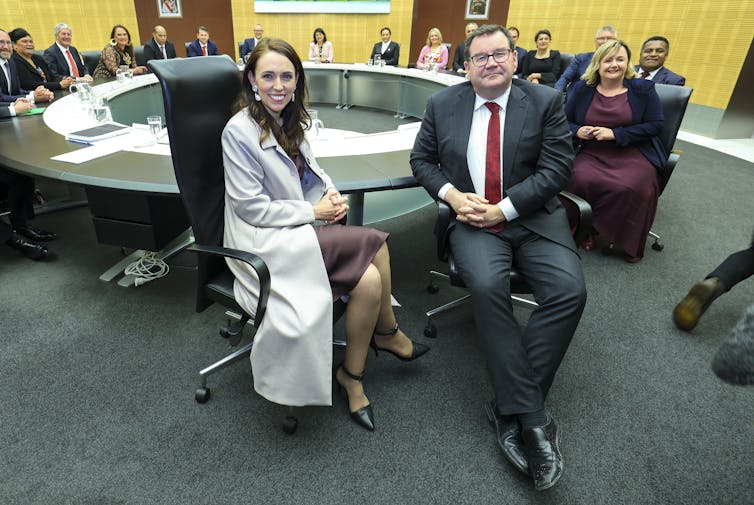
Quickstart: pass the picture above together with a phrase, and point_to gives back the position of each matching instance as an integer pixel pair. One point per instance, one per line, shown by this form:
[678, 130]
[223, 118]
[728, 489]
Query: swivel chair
[674, 100]
[517, 282]
[91, 59]
[139, 55]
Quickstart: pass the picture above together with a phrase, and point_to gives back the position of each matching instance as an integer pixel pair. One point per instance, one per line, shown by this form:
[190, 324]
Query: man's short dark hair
[659, 38]
[487, 30]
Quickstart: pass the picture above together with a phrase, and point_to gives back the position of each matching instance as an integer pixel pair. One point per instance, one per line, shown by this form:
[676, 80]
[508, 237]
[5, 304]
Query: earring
[256, 93]
[293, 96]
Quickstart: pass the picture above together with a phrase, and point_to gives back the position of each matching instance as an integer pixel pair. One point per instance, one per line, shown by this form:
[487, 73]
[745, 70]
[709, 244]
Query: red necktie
[72, 63]
[492, 173]
[644, 74]
[204, 50]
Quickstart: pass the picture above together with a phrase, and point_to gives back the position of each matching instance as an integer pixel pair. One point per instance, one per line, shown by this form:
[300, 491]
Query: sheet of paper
[94, 151]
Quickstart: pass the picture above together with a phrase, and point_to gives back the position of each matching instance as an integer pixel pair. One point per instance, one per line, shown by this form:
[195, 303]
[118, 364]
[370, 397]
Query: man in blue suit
[654, 51]
[62, 58]
[250, 44]
[202, 46]
[579, 63]
[520, 50]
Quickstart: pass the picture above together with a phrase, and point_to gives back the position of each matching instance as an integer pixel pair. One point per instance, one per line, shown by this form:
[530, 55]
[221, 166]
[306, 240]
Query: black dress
[33, 76]
[549, 67]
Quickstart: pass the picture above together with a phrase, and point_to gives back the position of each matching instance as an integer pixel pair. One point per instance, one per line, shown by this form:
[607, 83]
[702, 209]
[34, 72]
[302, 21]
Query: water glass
[377, 60]
[123, 74]
[317, 125]
[155, 126]
[370, 62]
[101, 110]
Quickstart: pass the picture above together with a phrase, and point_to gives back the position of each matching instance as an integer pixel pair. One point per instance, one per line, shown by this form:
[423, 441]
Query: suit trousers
[522, 362]
[20, 196]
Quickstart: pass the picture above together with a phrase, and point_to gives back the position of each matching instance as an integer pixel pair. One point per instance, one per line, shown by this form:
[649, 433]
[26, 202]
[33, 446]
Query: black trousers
[736, 267]
[522, 362]
[20, 190]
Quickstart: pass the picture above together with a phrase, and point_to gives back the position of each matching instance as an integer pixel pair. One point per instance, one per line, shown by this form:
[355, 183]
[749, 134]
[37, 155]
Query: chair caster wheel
[430, 331]
[290, 424]
[657, 246]
[432, 289]
[202, 395]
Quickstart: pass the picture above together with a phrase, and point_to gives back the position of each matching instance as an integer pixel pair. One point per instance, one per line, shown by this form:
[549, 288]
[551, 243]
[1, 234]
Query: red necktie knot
[644, 74]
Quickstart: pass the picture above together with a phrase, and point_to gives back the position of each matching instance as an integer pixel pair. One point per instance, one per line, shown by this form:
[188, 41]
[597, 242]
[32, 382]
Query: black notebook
[99, 132]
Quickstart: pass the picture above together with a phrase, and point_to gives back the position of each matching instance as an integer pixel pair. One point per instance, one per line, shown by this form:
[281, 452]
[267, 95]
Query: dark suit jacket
[574, 71]
[195, 48]
[15, 86]
[248, 46]
[665, 76]
[58, 64]
[458, 57]
[391, 54]
[521, 58]
[152, 50]
[646, 123]
[29, 77]
[4, 112]
[537, 152]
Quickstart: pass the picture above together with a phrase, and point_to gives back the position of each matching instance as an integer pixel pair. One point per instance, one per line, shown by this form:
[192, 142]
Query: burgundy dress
[618, 182]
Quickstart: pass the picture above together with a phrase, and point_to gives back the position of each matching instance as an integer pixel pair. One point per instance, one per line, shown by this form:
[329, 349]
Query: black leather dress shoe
[508, 437]
[27, 248]
[35, 233]
[542, 448]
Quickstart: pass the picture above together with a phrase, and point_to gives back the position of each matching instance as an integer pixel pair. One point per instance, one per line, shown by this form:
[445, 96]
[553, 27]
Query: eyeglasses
[5, 42]
[603, 39]
[500, 56]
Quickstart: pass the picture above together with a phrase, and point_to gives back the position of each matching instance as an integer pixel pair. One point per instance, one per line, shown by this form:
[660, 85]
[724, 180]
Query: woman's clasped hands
[332, 207]
[595, 133]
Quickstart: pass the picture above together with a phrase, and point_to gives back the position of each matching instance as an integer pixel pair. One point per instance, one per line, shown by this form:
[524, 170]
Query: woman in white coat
[275, 191]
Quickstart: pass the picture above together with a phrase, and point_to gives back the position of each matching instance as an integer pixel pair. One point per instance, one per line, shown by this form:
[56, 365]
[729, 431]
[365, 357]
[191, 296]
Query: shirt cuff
[12, 110]
[509, 211]
[444, 190]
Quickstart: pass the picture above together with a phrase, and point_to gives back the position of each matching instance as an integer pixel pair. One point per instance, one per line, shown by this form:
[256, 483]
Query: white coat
[267, 213]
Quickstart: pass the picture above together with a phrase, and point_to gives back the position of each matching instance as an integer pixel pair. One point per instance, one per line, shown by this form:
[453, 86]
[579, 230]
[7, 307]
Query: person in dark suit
[387, 50]
[23, 237]
[617, 120]
[202, 46]
[10, 84]
[249, 44]
[458, 57]
[503, 189]
[651, 65]
[159, 47]
[578, 65]
[32, 68]
[520, 50]
[11, 109]
[542, 65]
[62, 58]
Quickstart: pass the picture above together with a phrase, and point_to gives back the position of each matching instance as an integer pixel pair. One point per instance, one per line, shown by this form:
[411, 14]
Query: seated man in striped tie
[202, 46]
[158, 47]
[498, 150]
[651, 65]
[62, 58]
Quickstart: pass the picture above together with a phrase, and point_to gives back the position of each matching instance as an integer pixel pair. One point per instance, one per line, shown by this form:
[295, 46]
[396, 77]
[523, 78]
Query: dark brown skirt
[347, 252]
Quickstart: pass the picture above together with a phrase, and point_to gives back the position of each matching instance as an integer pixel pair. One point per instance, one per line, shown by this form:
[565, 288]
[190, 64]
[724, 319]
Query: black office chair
[187, 44]
[517, 282]
[565, 60]
[91, 58]
[674, 100]
[139, 55]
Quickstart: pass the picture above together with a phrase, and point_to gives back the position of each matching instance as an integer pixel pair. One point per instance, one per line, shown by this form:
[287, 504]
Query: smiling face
[434, 38]
[653, 55]
[203, 36]
[613, 65]
[275, 79]
[24, 46]
[543, 41]
[258, 31]
[121, 37]
[64, 37]
[5, 46]
[493, 78]
[385, 36]
[470, 28]
[319, 37]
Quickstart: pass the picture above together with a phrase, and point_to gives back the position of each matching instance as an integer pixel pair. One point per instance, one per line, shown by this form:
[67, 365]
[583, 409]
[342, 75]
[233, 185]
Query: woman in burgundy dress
[617, 120]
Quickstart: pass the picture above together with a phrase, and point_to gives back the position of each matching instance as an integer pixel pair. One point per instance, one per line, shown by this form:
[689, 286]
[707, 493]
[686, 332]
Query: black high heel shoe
[416, 350]
[364, 417]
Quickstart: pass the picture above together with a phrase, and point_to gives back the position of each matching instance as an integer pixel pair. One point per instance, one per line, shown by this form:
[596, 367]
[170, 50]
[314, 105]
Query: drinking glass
[317, 125]
[155, 126]
[101, 110]
[377, 60]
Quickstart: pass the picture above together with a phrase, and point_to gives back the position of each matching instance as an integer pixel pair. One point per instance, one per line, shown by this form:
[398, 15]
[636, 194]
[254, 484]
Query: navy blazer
[152, 50]
[248, 46]
[574, 71]
[458, 56]
[537, 152]
[521, 58]
[647, 121]
[15, 84]
[58, 63]
[665, 76]
[391, 54]
[195, 48]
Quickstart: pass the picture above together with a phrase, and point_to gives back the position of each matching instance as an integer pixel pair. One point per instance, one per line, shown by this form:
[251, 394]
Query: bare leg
[386, 321]
[361, 316]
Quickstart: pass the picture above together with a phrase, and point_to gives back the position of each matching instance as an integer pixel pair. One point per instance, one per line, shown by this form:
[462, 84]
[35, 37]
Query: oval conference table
[131, 187]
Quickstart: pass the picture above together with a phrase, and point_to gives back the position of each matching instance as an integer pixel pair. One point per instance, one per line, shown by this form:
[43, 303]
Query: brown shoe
[687, 313]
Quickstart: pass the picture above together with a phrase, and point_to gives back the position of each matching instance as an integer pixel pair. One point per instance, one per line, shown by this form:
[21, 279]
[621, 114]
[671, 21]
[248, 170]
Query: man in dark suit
[387, 50]
[159, 47]
[520, 50]
[249, 44]
[459, 156]
[10, 85]
[654, 51]
[202, 46]
[19, 235]
[458, 58]
[579, 63]
[62, 58]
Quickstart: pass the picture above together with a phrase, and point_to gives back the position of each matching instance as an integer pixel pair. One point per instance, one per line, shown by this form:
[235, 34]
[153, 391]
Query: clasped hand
[595, 133]
[332, 207]
[475, 210]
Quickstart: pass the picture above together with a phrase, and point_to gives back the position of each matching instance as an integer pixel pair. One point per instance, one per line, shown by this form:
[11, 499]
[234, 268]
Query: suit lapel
[4, 81]
[461, 112]
[515, 117]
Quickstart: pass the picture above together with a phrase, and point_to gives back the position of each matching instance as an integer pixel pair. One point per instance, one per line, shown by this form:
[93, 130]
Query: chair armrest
[255, 262]
[584, 226]
[444, 213]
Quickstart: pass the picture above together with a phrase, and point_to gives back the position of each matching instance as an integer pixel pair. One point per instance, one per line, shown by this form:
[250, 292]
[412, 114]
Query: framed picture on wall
[477, 9]
[169, 8]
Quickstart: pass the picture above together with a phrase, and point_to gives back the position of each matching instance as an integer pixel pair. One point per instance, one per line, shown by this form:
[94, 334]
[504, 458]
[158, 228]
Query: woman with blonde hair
[434, 52]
